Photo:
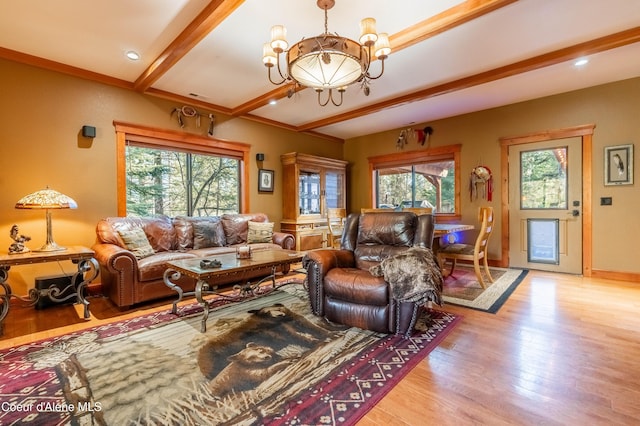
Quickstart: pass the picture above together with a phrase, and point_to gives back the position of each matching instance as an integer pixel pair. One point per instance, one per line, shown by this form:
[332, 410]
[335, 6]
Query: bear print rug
[262, 361]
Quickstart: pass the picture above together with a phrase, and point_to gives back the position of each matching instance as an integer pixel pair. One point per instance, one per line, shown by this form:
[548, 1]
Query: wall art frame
[265, 180]
[618, 165]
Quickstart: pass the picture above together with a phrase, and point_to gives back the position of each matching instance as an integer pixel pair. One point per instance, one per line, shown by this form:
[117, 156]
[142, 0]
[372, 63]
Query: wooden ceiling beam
[206, 21]
[591, 47]
[450, 18]
[47, 64]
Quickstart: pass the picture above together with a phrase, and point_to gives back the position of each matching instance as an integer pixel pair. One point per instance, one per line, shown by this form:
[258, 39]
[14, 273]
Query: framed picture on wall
[618, 165]
[265, 180]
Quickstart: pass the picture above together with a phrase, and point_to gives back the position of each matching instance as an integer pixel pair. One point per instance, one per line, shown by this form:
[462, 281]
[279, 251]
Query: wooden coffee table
[230, 265]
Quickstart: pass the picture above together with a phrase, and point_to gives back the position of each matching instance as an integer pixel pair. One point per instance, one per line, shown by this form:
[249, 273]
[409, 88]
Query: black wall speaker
[88, 131]
[259, 157]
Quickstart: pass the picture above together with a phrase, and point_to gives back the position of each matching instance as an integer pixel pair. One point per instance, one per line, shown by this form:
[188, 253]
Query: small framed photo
[265, 180]
[618, 165]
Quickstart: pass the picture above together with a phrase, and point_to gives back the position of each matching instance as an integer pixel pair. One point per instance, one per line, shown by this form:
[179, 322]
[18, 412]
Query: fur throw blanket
[414, 276]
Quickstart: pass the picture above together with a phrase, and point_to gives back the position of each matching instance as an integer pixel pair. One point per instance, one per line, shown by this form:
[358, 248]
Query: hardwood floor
[563, 350]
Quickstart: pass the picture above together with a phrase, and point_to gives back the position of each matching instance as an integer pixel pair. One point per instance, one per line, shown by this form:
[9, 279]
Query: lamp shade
[46, 199]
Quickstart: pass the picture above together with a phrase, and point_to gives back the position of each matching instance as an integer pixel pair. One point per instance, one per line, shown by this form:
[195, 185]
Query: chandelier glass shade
[327, 61]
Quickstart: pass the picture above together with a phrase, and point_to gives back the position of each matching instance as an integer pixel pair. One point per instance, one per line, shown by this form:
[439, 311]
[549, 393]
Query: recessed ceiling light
[273, 102]
[134, 56]
[581, 62]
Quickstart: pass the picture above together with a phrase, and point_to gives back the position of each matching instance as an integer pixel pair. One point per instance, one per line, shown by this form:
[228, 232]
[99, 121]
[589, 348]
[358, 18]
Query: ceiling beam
[591, 47]
[206, 21]
[450, 18]
[47, 64]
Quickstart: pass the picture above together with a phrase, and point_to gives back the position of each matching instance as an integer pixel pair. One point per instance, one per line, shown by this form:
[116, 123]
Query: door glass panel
[543, 179]
[543, 241]
[309, 193]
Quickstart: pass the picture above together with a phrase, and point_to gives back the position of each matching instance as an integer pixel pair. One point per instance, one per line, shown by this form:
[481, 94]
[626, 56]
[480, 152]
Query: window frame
[170, 139]
[449, 152]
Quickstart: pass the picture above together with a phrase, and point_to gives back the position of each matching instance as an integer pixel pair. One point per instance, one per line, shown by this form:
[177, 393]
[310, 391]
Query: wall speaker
[88, 131]
[259, 156]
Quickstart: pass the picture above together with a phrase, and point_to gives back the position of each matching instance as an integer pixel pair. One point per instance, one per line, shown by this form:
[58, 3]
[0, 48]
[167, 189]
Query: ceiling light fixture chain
[327, 61]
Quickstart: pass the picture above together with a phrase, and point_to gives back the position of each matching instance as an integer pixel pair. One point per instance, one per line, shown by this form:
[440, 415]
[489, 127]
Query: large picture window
[172, 173]
[429, 178]
[172, 183]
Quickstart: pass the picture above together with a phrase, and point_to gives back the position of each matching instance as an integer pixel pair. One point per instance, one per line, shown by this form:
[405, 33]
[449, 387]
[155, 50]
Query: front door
[545, 205]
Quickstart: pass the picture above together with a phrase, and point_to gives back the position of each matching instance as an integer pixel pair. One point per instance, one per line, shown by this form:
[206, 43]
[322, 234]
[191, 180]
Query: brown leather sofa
[127, 280]
[342, 289]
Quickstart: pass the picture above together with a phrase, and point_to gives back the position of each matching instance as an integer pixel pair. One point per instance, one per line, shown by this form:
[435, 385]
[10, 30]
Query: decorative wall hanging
[618, 165]
[191, 112]
[424, 135]
[408, 135]
[481, 183]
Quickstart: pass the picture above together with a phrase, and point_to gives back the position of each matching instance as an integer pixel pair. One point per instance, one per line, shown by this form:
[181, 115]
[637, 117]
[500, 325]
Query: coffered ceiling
[449, 56]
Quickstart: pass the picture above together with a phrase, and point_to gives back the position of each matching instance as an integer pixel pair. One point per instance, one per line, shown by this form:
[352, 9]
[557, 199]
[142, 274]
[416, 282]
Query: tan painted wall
[613, 108]
[41, 116]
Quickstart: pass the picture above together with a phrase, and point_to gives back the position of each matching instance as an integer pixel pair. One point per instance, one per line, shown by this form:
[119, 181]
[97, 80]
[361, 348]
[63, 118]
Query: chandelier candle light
[47, 199]
[327, 61]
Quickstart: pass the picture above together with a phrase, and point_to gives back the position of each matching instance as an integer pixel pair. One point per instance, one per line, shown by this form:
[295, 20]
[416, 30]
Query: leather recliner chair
[342, 289]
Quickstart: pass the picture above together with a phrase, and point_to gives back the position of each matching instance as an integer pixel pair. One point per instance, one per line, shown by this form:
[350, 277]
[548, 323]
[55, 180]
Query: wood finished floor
[563, 350]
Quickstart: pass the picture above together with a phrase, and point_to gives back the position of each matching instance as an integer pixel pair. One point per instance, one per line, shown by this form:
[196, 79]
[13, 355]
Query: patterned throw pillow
[137, 242]
[207, 234]
[260, 232]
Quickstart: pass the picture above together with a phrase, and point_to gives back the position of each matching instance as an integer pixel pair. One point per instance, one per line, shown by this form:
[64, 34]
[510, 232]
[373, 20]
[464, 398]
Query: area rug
[267, 360]
[463, 289]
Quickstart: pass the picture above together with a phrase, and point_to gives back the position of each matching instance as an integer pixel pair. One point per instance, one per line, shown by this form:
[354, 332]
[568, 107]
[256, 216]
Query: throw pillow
[413, 275]
[137, 242]
[260, 232]
[207, 234]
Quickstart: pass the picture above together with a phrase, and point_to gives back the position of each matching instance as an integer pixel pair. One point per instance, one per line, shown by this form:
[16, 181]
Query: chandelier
[327, 61]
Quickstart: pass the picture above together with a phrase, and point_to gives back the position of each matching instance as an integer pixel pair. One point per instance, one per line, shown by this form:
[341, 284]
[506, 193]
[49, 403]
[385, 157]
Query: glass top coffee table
[206, 270]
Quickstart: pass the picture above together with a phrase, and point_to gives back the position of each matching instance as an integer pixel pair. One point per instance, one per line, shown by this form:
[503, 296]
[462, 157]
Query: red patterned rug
[262, 361]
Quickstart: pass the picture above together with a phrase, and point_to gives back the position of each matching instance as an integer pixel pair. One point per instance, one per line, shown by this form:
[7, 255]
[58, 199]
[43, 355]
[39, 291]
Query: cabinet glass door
[309, 193]
[334, 186]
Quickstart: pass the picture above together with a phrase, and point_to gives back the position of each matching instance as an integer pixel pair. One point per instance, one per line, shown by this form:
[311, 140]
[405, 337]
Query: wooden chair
[475, 252]
[418, 210]
[335, 222]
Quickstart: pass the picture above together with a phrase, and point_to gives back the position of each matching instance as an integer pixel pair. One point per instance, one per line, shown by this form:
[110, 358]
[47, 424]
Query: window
[429, 178]
[172, 183]
[172, 173]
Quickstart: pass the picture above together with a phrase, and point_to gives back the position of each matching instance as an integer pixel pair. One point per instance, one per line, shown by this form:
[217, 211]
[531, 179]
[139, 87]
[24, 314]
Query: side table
[81, 256]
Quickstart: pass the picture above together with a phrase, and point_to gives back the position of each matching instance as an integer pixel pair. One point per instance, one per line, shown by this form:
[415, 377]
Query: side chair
[335, 223]
[475, 252]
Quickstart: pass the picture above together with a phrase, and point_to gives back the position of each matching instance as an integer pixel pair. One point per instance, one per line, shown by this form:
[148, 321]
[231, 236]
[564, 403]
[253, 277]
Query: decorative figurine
[18, 246]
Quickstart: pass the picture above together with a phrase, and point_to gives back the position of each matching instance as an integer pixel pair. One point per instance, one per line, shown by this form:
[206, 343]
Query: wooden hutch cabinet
[311, 184]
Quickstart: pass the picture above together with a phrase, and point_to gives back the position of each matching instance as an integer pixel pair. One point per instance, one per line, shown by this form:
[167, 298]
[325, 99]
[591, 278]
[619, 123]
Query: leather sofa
[341, 287]
[128, 280]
